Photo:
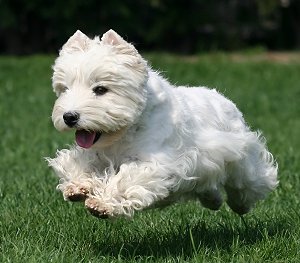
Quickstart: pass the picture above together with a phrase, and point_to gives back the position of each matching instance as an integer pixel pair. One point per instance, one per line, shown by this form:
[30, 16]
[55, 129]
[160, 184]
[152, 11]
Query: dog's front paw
[75, 193]
[98, 208]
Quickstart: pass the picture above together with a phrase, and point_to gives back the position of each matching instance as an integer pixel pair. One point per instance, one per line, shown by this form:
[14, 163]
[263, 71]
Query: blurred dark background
[184, 26]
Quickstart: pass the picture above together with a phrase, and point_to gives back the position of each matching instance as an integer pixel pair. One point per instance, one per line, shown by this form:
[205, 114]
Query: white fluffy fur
[159, 143]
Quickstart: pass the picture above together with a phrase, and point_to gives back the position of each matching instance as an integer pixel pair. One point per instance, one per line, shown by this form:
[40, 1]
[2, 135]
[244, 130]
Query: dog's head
[101, 88]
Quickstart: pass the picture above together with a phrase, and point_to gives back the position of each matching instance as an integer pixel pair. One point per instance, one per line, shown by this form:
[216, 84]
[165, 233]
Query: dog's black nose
[71, 118]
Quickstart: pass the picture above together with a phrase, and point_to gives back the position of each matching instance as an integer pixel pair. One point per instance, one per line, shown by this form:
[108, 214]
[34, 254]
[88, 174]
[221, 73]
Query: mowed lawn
[36, 225]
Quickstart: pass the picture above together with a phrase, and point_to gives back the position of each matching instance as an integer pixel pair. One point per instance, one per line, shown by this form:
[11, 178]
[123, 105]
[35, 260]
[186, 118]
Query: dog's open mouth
[86, 139]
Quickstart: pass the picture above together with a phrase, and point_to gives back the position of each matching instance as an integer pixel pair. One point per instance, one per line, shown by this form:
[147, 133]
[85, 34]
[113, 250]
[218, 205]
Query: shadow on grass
[188, 240]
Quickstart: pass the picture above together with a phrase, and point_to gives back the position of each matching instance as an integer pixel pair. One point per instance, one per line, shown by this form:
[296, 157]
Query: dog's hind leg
[251, 178]
[211, 199]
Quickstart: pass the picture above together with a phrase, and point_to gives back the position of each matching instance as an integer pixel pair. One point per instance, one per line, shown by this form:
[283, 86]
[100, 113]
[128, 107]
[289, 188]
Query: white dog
[141, 142]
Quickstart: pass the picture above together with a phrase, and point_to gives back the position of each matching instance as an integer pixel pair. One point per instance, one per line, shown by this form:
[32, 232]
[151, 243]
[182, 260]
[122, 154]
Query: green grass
[36, 225]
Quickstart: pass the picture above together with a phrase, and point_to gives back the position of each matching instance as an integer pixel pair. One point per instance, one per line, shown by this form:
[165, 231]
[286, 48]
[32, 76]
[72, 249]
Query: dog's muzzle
[71, 118]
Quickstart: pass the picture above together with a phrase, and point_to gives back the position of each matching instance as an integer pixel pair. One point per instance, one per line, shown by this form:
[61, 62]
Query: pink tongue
[84, 138]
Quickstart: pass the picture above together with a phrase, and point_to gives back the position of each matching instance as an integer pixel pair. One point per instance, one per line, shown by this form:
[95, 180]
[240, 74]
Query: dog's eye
[100, 90]
[61, 89]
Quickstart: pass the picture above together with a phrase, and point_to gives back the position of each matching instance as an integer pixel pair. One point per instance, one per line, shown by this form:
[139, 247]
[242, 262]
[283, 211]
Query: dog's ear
[112, 38]
[77, 42]
[118, 43]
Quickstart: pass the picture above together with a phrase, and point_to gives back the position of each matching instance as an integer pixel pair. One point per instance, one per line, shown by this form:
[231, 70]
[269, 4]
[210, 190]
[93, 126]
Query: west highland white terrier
[141, 142]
